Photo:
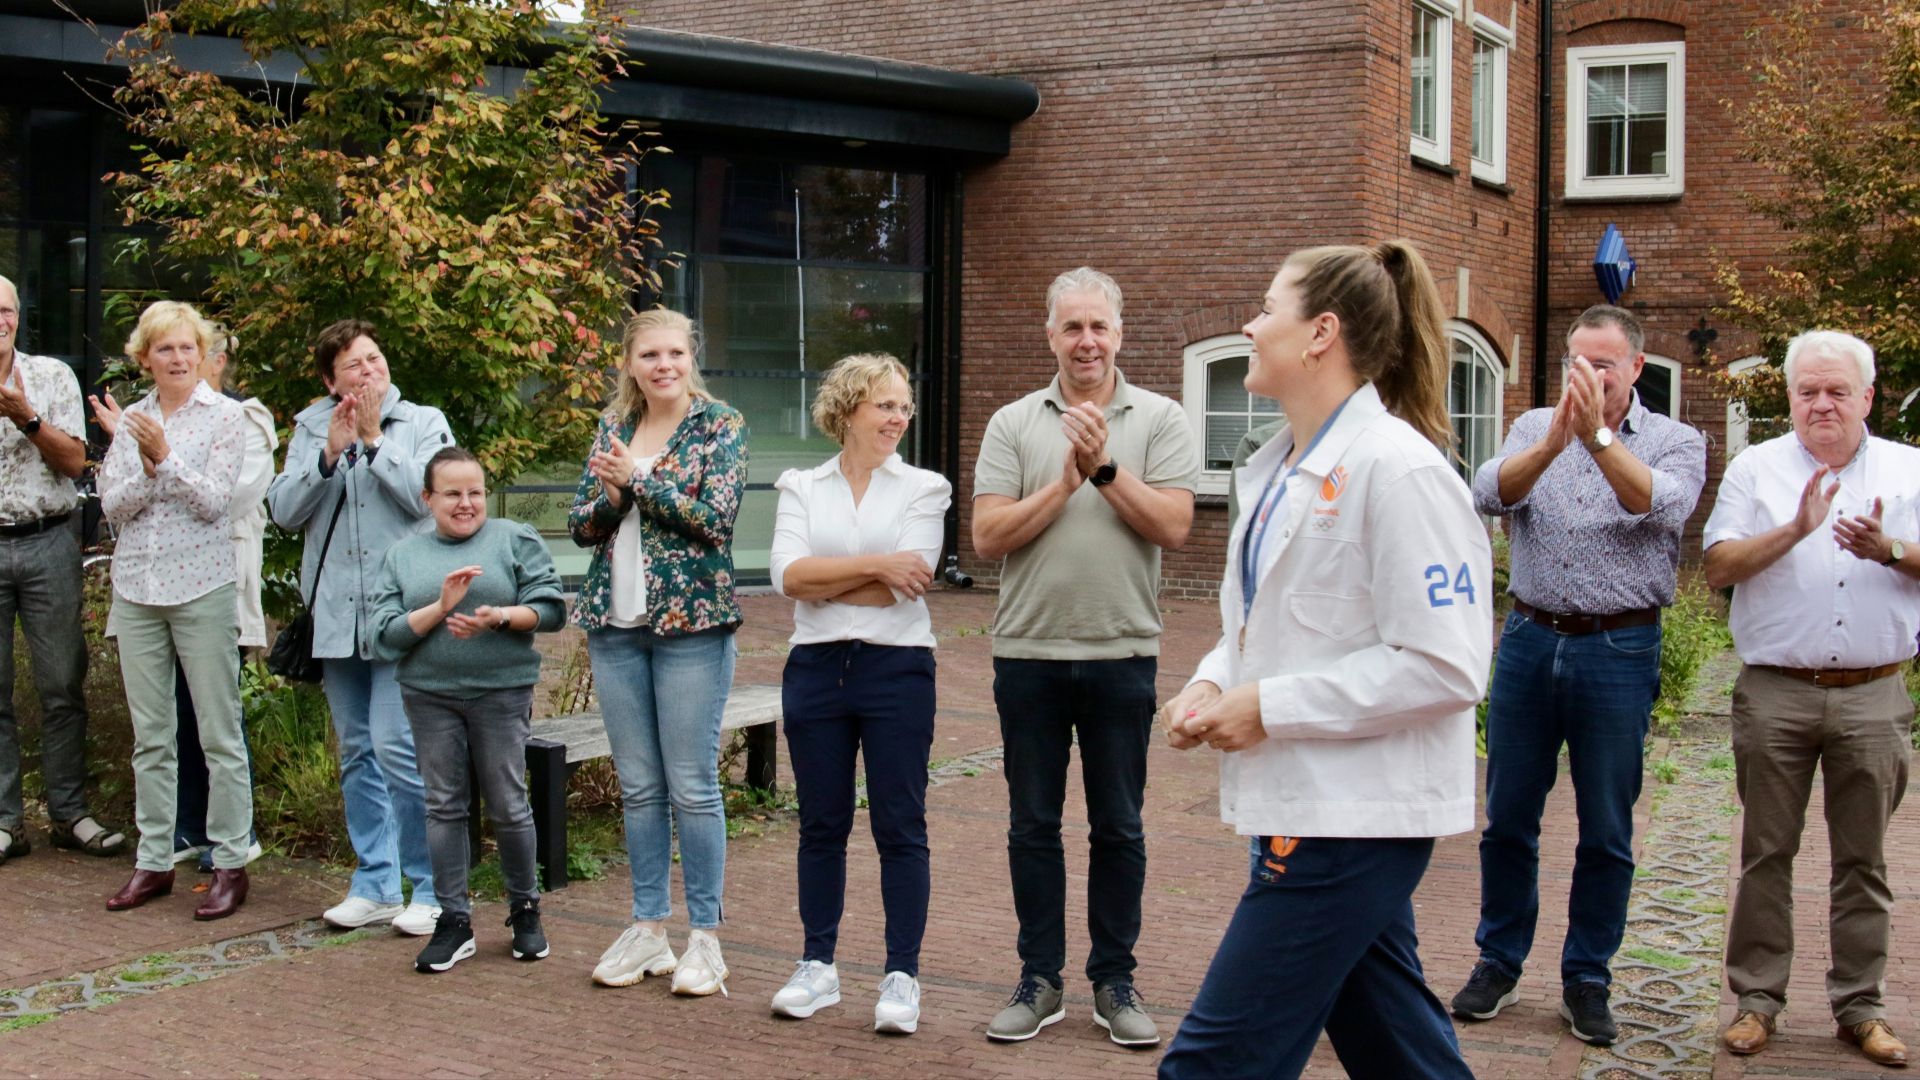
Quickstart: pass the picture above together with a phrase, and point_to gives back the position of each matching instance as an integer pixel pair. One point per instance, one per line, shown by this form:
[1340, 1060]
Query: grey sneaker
[1116, 1007]
[1035, 1004]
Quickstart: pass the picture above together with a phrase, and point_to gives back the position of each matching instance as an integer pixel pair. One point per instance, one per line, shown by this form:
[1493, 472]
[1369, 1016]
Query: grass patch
[1678, 894]
[1719, 837]
[1659, 958]
[18, 1023]
[1711, 907]
[1720, 762]
[1665, 770]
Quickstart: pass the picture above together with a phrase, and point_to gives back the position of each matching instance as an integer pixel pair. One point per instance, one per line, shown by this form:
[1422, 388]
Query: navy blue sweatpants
[1323, 939]
[848, 697]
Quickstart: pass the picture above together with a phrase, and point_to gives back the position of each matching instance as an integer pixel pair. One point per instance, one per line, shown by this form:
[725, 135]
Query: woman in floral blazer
[657, 502]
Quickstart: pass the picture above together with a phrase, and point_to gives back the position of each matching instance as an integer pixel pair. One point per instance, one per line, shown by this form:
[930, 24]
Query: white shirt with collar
[176, 540]
[1818, 606]
[904, 509]
[29, 488]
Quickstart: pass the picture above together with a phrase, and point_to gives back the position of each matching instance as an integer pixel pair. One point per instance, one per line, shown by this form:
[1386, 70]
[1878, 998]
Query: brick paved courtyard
[357, 1008]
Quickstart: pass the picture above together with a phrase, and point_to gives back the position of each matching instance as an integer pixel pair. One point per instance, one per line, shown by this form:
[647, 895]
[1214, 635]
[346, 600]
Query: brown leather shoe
[1876, 1040]
[1748, 1033]
[229, 891]
[143, 886]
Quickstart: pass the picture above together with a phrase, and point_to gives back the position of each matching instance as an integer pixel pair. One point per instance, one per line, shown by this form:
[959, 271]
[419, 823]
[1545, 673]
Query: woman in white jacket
[1357, 634]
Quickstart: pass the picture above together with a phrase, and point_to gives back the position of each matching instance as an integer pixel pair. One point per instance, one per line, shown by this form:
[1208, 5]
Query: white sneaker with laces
[814, 986]
[898, 1010]
[357, 911]
[702, 969]
[417, 920]
[634, 955]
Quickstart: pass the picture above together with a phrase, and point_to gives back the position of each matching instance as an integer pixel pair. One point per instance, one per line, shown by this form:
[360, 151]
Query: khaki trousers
[1860, 738]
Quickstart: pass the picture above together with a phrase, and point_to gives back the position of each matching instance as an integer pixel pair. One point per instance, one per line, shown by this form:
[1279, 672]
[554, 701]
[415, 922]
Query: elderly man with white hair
[1819, 533]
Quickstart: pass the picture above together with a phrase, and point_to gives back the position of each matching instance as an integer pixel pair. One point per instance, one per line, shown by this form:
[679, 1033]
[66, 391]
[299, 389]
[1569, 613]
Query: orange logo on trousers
[1281, 847]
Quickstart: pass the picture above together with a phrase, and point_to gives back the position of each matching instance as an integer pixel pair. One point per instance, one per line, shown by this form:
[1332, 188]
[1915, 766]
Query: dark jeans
[1595, 693]
[484, 738]
[1044, 705]
[850, 697]
[190, 828]
[1323, 939]
[40, 585]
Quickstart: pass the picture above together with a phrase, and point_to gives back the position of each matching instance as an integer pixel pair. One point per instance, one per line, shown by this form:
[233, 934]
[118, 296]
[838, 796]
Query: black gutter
[1543, 153]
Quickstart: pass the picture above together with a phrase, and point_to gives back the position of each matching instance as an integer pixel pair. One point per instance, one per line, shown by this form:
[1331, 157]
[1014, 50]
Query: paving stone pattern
[253, 996]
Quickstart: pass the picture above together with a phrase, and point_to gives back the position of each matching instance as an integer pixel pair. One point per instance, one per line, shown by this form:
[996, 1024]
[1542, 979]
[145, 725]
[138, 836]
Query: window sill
[1503, 190]
[1624, 197]
[1431, 165]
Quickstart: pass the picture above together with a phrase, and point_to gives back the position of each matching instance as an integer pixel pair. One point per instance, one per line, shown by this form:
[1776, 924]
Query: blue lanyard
[1254, 543]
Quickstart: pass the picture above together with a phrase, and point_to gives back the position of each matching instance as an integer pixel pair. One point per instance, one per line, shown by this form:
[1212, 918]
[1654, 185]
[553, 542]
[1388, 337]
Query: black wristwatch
[1104, 475]
[31, 427]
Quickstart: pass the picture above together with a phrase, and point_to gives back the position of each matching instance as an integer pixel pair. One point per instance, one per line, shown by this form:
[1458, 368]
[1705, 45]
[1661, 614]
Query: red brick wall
[1184, 147]
[1677, 242]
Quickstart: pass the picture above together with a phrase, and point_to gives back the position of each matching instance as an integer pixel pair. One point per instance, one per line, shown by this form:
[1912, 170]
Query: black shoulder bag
[292, 654]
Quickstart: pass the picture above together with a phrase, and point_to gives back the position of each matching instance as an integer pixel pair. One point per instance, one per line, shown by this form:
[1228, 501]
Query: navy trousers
[1323, 939]
[851, 697]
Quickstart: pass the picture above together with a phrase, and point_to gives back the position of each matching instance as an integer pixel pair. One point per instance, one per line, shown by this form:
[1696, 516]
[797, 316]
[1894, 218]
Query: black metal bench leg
[547, 792]
[763, 761]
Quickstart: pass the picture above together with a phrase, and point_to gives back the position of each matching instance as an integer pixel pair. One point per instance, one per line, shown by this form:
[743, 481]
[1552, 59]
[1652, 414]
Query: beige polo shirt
[1087, 588]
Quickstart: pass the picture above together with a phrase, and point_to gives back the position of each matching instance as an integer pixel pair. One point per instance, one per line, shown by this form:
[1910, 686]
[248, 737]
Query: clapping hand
[341, 427]
[152, 438]
[484, 620]
[614, 468]
[454, 588]
[366, 412]
[1860, 535]
[1815, 503]
[13, 397]
[106, 412]
[1086, 430]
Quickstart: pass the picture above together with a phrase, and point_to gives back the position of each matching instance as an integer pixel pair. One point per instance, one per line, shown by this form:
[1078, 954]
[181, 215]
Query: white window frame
[1437, 150]
[1579, 184]
[1489, 357]
[1193, 396]
[1737, 420]
[1492, 169]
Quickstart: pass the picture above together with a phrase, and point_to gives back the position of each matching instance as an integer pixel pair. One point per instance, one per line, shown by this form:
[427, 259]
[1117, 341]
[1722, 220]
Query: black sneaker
[529, 941]
[1488, 990]
[1584, 1004]
[451, 943]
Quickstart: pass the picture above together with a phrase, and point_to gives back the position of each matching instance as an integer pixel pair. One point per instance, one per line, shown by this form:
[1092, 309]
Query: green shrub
[1693, 630]
[296, 771]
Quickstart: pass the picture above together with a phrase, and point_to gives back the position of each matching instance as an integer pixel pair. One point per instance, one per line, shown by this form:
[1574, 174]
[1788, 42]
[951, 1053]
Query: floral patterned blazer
[687, 505]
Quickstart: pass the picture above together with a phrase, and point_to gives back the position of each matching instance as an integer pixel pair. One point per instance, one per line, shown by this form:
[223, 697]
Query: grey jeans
[40, 583]
[487, 735]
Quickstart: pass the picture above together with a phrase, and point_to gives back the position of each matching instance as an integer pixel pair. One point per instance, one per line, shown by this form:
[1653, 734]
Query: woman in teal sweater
[458, 608]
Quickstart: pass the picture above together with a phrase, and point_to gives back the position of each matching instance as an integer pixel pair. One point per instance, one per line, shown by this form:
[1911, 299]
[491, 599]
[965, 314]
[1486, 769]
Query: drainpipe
[1543, 153]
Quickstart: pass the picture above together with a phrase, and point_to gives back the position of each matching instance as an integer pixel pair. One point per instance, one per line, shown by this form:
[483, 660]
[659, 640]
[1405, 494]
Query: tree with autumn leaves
[1844, 146]
[490, 231]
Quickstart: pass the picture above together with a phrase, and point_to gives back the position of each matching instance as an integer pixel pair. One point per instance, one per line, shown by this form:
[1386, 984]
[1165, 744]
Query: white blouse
[175, 542]
[904, 509]
[628, 607]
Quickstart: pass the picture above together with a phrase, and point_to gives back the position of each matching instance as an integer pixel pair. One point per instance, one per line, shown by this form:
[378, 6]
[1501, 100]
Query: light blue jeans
[662, 699]
[379, 781]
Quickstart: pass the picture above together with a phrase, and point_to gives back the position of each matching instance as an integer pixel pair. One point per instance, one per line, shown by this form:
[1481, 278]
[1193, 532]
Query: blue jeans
[1323, 938]
[1595, 693]
[848, 698]
[379, 781]
[662, 699]
[1044, 706]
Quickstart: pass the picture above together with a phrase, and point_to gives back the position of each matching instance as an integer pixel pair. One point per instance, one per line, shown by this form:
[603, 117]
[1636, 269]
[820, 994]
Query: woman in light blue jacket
[354, 471]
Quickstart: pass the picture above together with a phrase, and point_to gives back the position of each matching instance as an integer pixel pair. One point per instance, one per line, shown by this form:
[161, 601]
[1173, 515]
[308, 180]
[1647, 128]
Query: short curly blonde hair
[162, 317]
[848, 383]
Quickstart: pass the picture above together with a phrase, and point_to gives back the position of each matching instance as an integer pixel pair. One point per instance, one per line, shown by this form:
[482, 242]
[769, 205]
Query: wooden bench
[559, 744]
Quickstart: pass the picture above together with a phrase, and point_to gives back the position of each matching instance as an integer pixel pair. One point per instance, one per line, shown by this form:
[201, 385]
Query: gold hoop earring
[1305, 356]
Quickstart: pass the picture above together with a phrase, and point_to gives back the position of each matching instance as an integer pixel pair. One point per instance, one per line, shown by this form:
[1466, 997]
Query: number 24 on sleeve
[1439, 580]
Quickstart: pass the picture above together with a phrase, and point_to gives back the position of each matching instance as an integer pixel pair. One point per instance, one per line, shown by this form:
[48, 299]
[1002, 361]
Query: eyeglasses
[901, 409]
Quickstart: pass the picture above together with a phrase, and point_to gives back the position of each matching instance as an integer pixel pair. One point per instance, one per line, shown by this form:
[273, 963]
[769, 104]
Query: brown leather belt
[1831, 678]
[1568, 623]
[15, 529]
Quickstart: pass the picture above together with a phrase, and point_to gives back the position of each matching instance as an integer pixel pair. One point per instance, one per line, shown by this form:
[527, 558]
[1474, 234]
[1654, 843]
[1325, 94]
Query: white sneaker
[814, 986]
[702, 969]
[357, 911]
[898, 1010]
[418, 920]
[634, 955]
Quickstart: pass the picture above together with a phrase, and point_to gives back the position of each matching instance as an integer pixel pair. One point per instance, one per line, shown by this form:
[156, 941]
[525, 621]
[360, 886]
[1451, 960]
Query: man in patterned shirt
[40, 453]
[1596, 492]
